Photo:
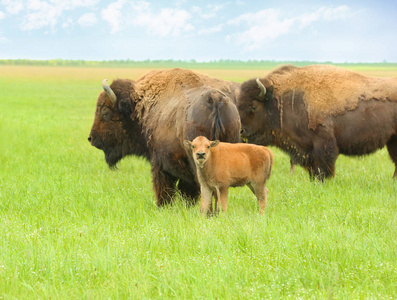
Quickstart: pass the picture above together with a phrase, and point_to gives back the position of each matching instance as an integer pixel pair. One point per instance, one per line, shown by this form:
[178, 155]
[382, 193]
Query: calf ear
[214, 143]
[187, 144]
[124, 106]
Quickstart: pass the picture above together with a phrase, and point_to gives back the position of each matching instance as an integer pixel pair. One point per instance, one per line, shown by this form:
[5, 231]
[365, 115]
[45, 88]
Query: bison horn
[109, 91]
[262, 88]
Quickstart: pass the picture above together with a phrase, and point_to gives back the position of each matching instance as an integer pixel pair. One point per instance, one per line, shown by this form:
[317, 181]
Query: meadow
[71, 228]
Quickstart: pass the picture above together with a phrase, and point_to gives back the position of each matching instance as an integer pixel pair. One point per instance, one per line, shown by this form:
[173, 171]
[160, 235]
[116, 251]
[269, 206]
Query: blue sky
[322, 30]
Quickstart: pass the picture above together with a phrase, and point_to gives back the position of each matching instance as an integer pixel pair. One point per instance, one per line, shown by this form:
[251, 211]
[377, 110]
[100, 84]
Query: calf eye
[192, 147]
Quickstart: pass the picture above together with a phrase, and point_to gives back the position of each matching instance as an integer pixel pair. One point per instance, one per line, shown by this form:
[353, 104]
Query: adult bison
[315, 113]
[151, 117]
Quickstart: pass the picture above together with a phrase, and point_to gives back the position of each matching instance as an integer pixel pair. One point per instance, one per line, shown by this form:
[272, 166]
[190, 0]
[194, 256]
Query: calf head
[200, 148]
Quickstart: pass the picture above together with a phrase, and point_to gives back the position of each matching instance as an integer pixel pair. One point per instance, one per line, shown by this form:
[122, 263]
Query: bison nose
[242, 131]
[200, 155]
[89, 139]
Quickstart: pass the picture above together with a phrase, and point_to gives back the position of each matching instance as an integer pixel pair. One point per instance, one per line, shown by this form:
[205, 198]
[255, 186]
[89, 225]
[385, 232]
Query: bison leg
[324, 155]
[293, 163]
[392, 148]
[324, 169]
[321, 169]
[190, 192]
[292, 169]
[164, 186]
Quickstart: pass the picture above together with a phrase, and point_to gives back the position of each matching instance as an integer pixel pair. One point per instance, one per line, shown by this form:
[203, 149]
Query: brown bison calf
[221, 165]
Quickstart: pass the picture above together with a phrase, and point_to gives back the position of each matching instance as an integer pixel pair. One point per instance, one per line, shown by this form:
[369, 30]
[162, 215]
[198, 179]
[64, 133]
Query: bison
[315, 113]
[151, 117]
[223, 165]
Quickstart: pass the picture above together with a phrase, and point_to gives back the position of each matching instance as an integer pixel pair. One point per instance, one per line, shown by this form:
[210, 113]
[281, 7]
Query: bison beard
[315, 113]
[152, 116]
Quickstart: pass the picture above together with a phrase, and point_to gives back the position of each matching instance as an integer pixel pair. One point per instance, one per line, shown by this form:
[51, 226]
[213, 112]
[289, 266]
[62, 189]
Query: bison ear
[124, 106]
[214, 143]
[187, 144]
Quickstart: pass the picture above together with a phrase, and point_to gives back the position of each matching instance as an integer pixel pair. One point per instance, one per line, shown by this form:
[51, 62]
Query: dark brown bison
[151, 117]
[315, 113]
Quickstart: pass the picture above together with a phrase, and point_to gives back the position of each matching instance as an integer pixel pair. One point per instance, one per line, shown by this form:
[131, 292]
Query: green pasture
[70, 228]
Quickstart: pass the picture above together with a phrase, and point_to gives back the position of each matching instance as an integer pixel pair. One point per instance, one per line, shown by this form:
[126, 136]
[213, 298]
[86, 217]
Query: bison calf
[221, 165]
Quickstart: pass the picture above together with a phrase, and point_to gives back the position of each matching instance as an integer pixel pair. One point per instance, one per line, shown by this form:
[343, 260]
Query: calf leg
[223, 198]
[261, 193]
[211, 209]
[206, 200]
[264, 203]
[216, 206]
[392, 148]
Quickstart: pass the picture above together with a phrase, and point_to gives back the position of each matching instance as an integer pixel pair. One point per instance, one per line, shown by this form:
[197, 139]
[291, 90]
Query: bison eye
[106, 114]
[253, 107]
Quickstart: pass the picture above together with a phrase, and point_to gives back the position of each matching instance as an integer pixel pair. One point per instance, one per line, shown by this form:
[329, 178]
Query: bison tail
[218, 129]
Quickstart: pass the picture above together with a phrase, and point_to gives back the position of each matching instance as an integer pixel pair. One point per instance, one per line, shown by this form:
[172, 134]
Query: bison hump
[330, 90]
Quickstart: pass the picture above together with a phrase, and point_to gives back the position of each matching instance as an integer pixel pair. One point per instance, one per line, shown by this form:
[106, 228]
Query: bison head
[113, 127]
[257, 113]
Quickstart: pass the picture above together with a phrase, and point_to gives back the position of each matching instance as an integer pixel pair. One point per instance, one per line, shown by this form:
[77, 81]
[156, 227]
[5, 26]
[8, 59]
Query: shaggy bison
[315, 113]
[223, 165]
[151, 117]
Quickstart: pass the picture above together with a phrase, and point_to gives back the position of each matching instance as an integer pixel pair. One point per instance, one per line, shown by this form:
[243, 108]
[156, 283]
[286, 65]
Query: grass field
[73, 229]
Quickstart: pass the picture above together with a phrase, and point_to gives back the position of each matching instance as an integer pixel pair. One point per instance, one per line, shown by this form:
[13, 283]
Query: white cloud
[68, 23]
[113, 15]
[39, 14]
[13, 6]
[215, 7]
[210, 30]
[168, 22]
[269, 24]
[2, 15]
[340, 12]
[42, 14]
[209, 12]
[87, 20]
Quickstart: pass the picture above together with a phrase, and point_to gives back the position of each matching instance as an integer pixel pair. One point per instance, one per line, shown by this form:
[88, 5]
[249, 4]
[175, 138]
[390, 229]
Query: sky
[201, 30]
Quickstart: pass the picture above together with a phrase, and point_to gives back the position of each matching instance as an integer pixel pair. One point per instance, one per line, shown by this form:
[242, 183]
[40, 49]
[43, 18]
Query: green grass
[73, 229]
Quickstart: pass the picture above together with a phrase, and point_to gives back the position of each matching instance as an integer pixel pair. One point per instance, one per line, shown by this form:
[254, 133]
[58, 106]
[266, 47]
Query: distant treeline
[218, 64]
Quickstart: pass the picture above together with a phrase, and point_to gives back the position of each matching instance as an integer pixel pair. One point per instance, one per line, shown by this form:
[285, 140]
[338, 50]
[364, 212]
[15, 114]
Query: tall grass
[72, 228]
